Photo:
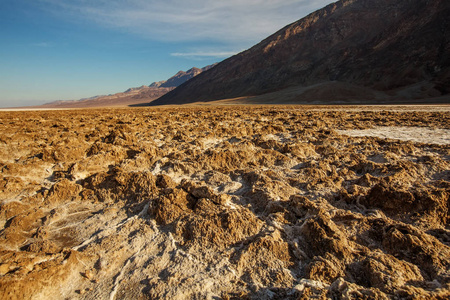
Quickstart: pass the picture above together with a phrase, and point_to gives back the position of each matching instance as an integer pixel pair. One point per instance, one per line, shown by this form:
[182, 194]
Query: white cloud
[233, 22]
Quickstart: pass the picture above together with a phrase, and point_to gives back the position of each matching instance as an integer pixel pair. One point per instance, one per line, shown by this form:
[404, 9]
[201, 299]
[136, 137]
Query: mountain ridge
[181, 77]
[131, 96]
[382, 45]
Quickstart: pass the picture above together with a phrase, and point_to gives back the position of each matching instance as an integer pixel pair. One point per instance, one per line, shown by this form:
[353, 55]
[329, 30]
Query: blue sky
[71, 49]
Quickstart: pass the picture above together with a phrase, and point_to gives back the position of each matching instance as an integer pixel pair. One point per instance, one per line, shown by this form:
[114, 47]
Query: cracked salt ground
[424, 135]
[268, 203]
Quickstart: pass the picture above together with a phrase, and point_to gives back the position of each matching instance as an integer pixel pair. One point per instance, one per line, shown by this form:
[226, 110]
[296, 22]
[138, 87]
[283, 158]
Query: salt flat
[258, 202]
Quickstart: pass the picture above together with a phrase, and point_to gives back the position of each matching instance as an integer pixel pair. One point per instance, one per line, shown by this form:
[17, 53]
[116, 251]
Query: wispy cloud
[231, 22]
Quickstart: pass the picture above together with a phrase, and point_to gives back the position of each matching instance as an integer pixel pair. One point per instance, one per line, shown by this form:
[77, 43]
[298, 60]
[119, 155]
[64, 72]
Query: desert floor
[226, 202]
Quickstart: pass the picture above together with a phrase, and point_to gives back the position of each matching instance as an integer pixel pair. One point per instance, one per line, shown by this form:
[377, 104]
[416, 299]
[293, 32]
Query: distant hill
[352, 50]
[132, 96]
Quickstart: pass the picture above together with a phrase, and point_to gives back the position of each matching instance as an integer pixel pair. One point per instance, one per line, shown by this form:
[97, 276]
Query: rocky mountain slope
[181, 77]
[132, 96]
[399, 48]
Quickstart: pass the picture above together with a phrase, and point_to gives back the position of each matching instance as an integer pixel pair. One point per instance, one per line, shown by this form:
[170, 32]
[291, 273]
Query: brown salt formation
[223, 202]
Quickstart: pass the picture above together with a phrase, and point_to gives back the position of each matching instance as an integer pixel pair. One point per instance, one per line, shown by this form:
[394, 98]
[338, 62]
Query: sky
[72, 49]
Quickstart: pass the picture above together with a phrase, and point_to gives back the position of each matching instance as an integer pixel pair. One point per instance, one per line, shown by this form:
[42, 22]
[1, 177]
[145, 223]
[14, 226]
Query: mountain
[132, 96]
[181, 77]
[361, 50]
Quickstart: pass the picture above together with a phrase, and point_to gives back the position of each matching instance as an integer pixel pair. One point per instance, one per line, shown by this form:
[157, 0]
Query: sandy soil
[223, 202]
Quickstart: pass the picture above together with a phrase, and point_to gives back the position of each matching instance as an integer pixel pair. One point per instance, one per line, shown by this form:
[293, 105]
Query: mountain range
[368, 51]
[132, 96]
[351, 51]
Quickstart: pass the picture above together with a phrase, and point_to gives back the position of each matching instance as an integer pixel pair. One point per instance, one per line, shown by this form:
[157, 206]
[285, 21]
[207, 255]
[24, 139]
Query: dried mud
[223, 203]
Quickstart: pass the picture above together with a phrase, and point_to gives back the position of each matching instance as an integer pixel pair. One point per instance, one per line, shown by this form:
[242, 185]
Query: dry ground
[225, 203]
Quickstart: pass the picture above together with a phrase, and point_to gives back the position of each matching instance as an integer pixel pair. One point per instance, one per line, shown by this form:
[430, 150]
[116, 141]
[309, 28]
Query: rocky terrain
[225, 202]
[378, 51]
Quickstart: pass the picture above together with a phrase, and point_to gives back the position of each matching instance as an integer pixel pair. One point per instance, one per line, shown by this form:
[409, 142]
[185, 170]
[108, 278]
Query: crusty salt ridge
[414, 134]
[223, 202]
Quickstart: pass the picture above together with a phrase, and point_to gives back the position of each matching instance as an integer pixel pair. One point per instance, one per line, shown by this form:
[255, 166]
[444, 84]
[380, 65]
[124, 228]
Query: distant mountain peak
[180, 77]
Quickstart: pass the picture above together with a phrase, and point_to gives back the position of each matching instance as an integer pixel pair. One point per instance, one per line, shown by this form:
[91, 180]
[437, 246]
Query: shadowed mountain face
[382, 45]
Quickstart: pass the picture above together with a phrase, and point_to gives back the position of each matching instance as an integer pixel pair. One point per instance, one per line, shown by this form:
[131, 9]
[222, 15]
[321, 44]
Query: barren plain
[225, 202]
